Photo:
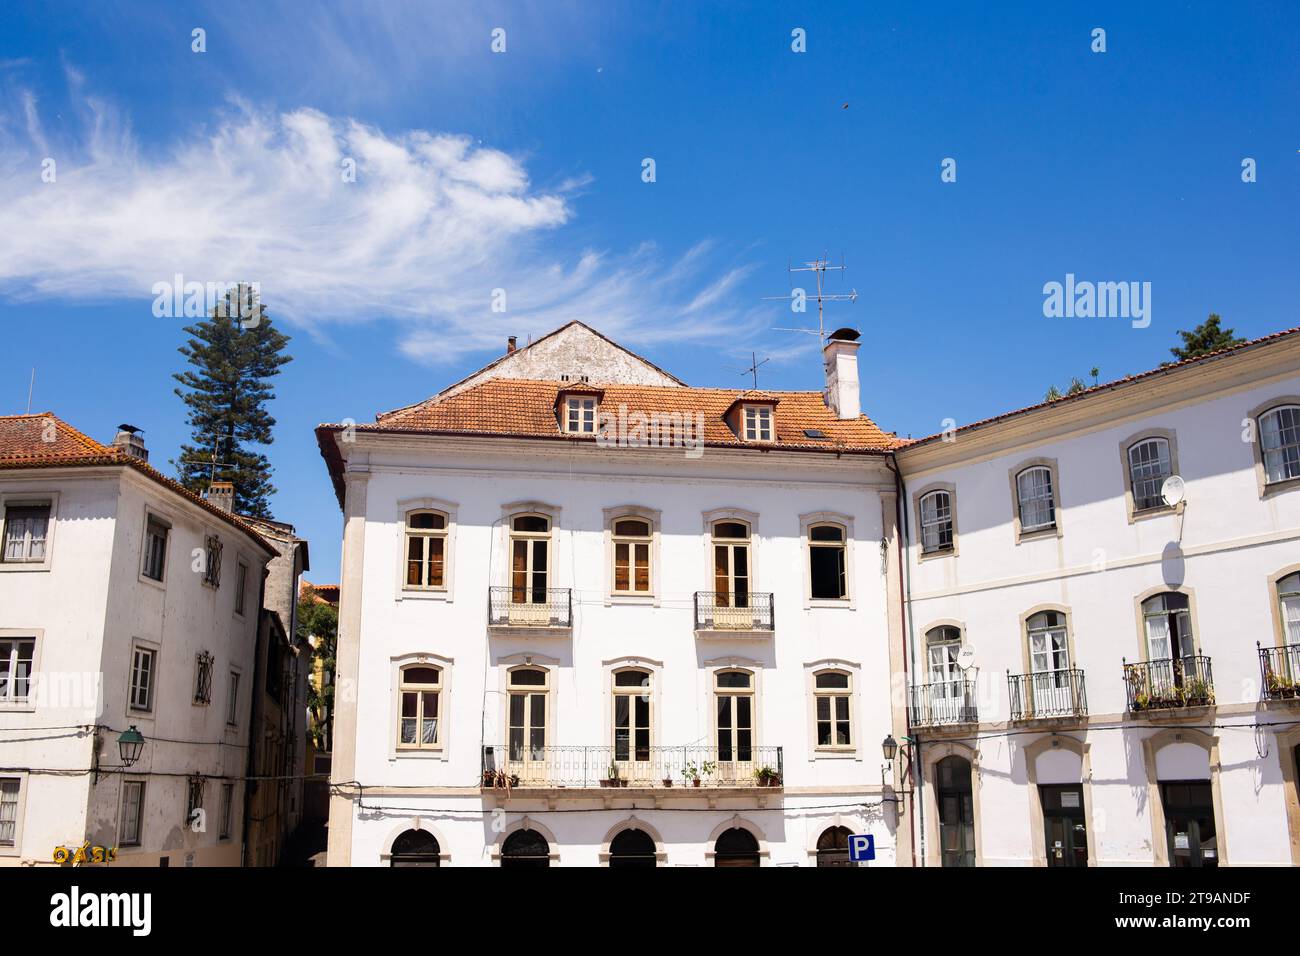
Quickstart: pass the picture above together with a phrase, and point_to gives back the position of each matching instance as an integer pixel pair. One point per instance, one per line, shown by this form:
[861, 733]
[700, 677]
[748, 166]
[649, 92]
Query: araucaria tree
[234, 354]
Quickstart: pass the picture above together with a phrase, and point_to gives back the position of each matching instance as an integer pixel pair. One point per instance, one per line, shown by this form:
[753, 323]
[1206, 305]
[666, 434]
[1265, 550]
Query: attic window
[758, 423]
[580, 414]
[814, 433]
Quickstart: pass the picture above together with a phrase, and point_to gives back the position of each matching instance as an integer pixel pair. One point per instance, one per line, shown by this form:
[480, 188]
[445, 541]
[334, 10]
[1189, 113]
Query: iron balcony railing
[530, 607]
[1169, 683]
[721, 611]
[1047, 694]
[1280, 669]
[943, 702]
[520, 766]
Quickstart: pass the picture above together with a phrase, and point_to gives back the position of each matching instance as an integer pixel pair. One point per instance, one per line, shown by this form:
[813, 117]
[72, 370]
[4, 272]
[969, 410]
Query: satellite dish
[1173, 491]
[966, 657]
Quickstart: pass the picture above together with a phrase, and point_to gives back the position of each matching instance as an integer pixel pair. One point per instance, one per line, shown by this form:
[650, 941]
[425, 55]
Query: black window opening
[1189, 823]
[956, 812]
[736, 847]
[833, 847]
[1064, 826]
[826, 562]
[415, 848]
[632, 848]
[525, 848]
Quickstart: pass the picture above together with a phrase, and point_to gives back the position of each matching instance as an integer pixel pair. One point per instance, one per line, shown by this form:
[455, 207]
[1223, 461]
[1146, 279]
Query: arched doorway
[956, 812]
[632, 847]
[736, 847]
[415, 848]
[525, 848]
[833, 847]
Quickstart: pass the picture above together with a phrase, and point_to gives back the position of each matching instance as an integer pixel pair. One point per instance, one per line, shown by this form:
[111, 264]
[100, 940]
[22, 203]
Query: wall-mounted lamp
[130, 744]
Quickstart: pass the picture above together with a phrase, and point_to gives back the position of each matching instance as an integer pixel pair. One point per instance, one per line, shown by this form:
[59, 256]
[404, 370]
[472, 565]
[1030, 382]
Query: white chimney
[840, 360]
[221, 494]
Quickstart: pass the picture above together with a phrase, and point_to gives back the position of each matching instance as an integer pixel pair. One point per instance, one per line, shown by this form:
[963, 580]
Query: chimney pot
[840, 361]
[221, 494]
[510, 344]
[129, 442]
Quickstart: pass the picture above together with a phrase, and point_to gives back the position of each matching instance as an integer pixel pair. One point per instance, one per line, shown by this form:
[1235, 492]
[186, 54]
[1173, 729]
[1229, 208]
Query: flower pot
[668, 781]
[607, 783]
[695, 782]
[623, 783]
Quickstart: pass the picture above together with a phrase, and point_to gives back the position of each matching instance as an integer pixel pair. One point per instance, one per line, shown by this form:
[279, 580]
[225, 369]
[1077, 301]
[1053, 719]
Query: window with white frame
[227, 807]
[143, 665]
[241, 586]
[632, 715]
[530, 541]
[17, 658]
[1288, 595]
[1149, 464]
[232, 699]
[203, 678]
[10, 789]
[943, 646]
[580, 414]
[212, 560]
[833, 701]
[936, 522]
[1279, 438]
[631, 538]
[731, 563]
[527, 691]
[155, 548]
[26, 529]
[1049, 647]
[420, 691]
[426, 550]
[1167, 620]
[827, 560]
[132, 822]
[1036, 499]
[758, 423]
[733, 692]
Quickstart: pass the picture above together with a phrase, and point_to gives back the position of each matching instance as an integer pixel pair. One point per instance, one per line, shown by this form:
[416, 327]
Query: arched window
[632, 847]
[525, 848]
[1036, 498]
[415, 848]
[827, 562]
[1279, 439]
[631, 539]
[632, 704]
[1049, 647]
[1167, 621]
[734, 702]
[936, 522]
[1288, 595]
[420, 690]
[426, 549]
[833, 700]
[943, 644]
[530, 541]
[1149, 464]
[527, 692]
[736, 847]
[731, 563]
[956, 812]
[833, 847]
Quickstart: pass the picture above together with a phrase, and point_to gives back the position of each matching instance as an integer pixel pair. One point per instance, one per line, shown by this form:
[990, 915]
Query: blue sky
[522, 170]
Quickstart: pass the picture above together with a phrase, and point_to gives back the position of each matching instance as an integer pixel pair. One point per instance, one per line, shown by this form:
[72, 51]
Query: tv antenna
[754, 366]
[211, 461]
[820, 267]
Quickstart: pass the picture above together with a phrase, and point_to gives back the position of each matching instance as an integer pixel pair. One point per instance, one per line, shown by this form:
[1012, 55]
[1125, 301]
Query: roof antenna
[754, 366]
[211, 460]
[820, 266]
[30, 388]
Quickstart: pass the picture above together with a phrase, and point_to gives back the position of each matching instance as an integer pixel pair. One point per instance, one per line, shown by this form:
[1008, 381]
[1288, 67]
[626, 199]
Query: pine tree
[1205, 338]
[234, 354]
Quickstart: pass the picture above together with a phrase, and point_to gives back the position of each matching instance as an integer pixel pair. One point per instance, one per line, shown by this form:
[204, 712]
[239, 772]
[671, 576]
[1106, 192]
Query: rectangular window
[193, 797]
[936, 522]
[227, 803]
[758, 423]
[132, 813]
[241, 586]
[203, 678]
[26, 527]
[232, 700]
[142, 669]
[9, 789]
[212, 561]
[581, 416]
[16, 657]
[1149, 466]
[1037, 505]
[155, 549]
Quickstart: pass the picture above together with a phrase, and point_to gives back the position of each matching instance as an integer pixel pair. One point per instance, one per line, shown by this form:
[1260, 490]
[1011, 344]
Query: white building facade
[125, 602]
[1112, 706]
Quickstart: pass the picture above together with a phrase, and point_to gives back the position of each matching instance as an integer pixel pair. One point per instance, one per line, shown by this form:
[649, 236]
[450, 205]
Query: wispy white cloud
[433, 224]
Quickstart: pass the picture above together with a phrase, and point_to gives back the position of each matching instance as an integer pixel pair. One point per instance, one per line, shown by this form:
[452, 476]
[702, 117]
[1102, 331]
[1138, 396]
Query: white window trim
[744, 421]
[513, 662]
[246, 566]
[1130, 503]
[652, 515]
[917, 534]
[121, 801]
[579, 398]
[442, 751]
[731, 514]
[447, 592]
[233, 669]
[854, 670]
[154, 514]
[1268, 489]
[755, 669]
[1046, 531]
[517, 509]
[19, 498]
[28, 705]
[130, 711]
[19, 812]
[806, 522]
[611, 667]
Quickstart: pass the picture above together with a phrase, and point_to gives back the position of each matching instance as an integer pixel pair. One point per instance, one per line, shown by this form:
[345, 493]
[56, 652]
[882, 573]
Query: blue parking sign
[862, 846]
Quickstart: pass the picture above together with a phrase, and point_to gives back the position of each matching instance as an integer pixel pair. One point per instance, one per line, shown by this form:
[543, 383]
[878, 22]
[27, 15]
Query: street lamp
[890, 748]
[130, 743]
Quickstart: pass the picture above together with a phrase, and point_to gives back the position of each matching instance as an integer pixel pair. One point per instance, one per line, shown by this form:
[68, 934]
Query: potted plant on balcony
[1197, 693]
[767, 777]
[691, 775]
[612, 778]
[1279, 685]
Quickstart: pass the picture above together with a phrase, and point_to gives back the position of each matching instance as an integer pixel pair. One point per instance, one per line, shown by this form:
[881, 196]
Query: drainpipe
[905, 597]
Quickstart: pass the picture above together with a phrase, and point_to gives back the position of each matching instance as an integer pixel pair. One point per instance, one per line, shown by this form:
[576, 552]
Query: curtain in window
[1280, 438]
[1037, 510]
[8, 811]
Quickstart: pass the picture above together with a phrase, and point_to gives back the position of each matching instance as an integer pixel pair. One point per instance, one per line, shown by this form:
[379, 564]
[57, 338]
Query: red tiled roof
[46, 441]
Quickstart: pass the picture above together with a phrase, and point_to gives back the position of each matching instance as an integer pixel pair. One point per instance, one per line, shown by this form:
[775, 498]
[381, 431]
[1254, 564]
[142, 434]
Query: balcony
[1048, 695]
[524, 609]
[720, 614]
[943, 704]
[519, 768]
[1165, 685]
[1279, 668]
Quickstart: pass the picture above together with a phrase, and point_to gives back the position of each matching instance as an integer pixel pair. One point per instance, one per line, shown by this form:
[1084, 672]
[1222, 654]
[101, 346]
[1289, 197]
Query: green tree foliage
[318, 624]
[234, 354]
[1205, 338]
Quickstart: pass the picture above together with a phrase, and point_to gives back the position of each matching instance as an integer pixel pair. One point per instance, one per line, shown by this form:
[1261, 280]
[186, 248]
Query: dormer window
[578, 409]
[757, 422]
